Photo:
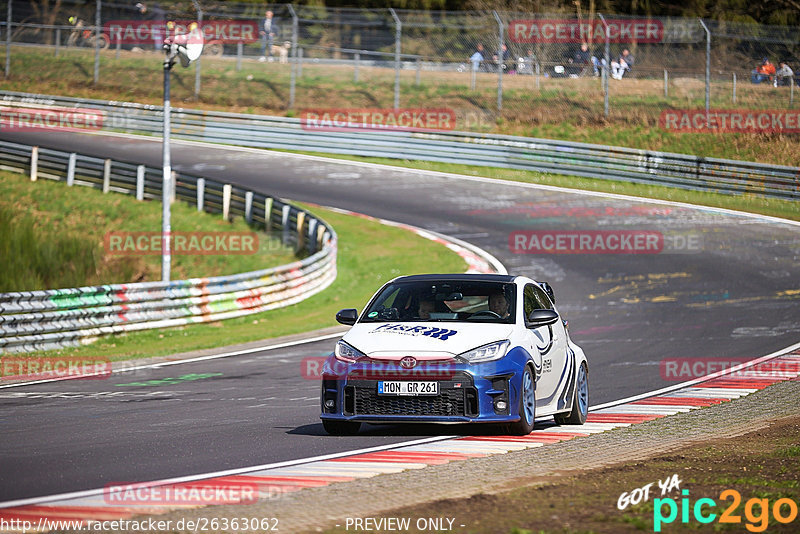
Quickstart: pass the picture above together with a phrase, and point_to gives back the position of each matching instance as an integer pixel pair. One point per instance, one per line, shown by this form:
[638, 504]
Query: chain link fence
[483, 67]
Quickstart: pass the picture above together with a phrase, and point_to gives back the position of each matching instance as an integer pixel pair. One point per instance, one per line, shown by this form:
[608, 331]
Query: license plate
[409, 389]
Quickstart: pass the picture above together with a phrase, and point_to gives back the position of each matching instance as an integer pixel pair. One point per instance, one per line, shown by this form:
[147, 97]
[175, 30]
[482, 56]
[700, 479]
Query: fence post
[419, 71]
[355, 68]
[140, 182]
[791, 91]
[300, 62]
[301, 217]
[538, 73]
[58, 40]
[285, 223]
[34, 162]
[97, 28]
[500, 60]
[607, 66]
[734, 88]
[708, 71]
[71, 169]
[268, 214]
[666, 84]
[106, 175]
[226, 200]
[201, 193]
[197, 61]
[8, 40]
[398, 36]
[312, 232]
[320, 237]
[119, 46]
[473, 72]
[292, 80]
[248, 207]
[239, 51]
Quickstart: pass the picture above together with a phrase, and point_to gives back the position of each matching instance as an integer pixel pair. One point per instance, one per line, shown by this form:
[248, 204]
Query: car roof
[504, 278]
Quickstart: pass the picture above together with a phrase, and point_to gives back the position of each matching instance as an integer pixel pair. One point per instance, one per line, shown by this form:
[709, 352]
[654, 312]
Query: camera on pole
[187, 47]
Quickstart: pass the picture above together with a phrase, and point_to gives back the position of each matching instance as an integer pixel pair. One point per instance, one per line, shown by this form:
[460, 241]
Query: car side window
[529, 301]
[543, 301]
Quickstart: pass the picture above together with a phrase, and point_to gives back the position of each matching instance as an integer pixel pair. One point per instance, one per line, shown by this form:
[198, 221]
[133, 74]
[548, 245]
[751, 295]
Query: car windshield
[434, 301]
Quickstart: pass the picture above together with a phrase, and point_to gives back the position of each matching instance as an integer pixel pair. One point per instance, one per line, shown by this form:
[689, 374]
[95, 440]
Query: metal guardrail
[43, 320]
[543, 155]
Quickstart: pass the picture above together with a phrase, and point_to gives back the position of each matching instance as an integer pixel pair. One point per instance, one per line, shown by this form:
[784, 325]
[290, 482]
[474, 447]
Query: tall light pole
[185, 47]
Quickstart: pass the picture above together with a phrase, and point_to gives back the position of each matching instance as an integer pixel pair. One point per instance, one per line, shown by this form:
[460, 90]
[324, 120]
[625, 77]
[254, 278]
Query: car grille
[448, 402]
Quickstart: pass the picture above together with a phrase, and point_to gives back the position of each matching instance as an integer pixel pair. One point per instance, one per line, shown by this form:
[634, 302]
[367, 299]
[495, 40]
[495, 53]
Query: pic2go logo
[756, 511]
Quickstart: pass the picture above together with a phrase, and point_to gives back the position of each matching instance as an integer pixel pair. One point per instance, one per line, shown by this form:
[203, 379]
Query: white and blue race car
[455, 348]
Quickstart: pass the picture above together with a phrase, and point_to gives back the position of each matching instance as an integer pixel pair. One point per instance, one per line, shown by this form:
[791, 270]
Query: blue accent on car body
[339, 375]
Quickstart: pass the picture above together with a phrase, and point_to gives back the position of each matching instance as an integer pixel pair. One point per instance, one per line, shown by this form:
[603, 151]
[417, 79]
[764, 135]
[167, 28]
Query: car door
[550, 341]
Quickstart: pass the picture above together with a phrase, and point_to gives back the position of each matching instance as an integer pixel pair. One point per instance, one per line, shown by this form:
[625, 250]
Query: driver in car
[498, 304]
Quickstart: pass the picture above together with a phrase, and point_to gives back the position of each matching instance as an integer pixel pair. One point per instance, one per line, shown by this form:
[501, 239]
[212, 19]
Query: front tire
[341, 428]
[527, 405]
[580, 400]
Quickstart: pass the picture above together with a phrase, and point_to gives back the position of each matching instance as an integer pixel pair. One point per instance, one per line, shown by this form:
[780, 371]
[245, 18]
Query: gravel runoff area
[319, 508]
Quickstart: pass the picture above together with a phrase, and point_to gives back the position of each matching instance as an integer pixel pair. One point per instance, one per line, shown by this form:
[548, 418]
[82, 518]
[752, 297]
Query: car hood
[424, 341]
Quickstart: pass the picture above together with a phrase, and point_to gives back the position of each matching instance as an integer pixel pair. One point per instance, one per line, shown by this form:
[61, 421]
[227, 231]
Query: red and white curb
[272, 481]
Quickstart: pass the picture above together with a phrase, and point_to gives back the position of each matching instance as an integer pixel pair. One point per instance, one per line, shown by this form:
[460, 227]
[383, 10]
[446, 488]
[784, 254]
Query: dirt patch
[759, 465]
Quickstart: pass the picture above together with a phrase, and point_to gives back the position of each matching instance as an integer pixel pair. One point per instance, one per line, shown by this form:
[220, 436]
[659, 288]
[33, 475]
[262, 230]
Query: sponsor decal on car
[408, 330]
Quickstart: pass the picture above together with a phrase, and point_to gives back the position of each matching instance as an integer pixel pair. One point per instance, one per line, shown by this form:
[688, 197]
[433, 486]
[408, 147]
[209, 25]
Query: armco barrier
[42, 320]
[543, 155]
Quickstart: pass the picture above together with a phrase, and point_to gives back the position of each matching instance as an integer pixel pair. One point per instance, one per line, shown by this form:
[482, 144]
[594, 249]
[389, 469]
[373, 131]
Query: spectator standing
[477, 58]
[157, 18]
[763, 72]
[267, 29]
[501, 58]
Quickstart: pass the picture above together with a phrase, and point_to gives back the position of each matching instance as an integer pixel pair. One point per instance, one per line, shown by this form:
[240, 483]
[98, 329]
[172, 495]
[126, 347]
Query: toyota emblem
[408, 362]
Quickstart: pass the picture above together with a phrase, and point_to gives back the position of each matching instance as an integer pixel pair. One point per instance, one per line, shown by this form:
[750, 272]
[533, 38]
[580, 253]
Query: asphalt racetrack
[723, 286]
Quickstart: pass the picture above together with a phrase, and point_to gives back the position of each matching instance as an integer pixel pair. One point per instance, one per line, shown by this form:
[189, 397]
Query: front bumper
[480, 393]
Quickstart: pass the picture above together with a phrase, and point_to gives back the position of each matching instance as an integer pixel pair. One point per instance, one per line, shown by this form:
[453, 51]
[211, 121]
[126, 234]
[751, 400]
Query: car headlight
[486, 353]
[347, 353]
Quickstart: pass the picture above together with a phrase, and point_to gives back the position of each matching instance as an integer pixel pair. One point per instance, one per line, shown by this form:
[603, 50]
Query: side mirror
[539, 318]
[549, 290]
[348, 316]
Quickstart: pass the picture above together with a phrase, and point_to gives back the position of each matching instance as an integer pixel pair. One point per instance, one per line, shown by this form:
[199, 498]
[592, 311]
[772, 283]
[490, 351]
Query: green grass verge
[755, 465]
[369, 255]
[558, 109]
[53, 237]
[751, 203]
